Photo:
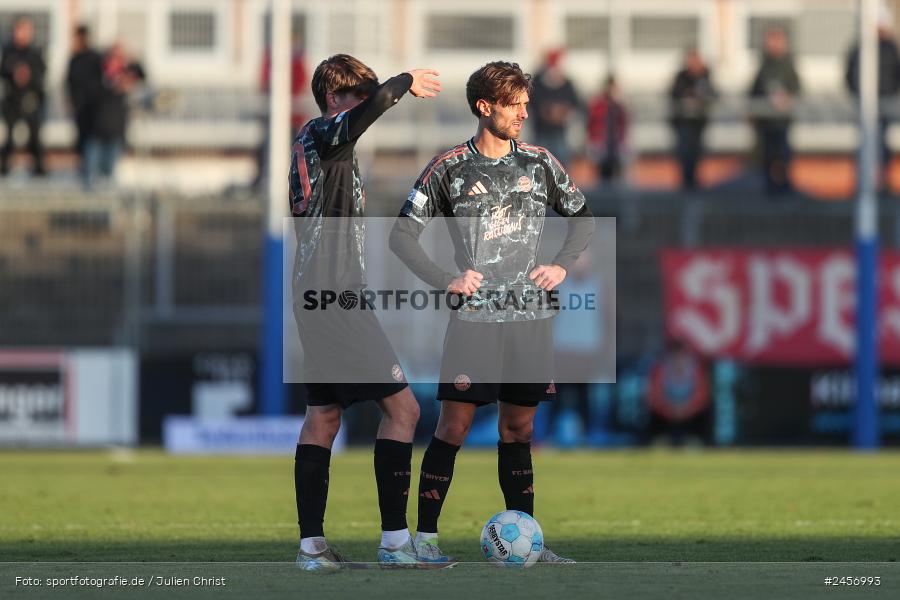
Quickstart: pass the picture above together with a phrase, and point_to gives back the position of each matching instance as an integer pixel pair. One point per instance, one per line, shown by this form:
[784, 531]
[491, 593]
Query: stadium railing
[167, 272]
[205, 120]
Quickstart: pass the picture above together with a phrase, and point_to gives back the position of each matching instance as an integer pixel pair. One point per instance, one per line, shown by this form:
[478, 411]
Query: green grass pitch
[658, 508]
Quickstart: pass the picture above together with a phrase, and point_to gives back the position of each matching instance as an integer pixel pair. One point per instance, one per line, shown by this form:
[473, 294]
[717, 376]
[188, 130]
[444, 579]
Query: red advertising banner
[777, 307]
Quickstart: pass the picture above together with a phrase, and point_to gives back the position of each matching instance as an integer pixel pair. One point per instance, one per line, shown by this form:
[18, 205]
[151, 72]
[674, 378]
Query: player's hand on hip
[547, 277]
[425, 83]
[466, 283]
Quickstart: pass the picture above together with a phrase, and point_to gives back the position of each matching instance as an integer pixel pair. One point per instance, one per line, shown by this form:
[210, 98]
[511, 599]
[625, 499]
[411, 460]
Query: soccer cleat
[327, 560]
[548, 555]
[430, 555]
[401, 557]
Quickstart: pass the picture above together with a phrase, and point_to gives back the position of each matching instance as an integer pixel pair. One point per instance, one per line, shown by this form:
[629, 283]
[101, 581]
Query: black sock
[434, 482]
[516, 475]
[311, 485]
[393, 463]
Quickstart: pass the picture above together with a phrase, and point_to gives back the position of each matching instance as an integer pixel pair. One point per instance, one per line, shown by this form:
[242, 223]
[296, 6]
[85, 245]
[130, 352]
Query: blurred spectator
[22, 70]
[298, 82]
[552, 101]
[775, 87]
[84, 81]
[692, 94]
[299, 85]
[607, 131]
[679, 398]
[106, 141]
[888, 83]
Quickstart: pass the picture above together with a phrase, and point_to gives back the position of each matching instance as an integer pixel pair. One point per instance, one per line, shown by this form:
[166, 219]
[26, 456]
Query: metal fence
[168, 273]
[155, 272]
[65, 275]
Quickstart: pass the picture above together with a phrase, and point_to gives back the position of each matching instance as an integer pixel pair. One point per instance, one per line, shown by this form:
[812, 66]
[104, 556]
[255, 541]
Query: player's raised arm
[425, 83]
[422, 83]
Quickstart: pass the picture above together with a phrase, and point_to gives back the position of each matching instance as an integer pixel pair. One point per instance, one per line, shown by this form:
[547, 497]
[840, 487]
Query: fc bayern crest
[397, 373]
[462, 382]
[524, 184]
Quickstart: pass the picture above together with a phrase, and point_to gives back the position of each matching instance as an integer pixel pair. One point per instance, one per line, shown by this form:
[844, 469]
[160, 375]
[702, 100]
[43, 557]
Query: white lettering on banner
[777, 306]
[835, 390]
[223, 366]
[707, 280]
[20, 404]
[220, 399]
[837, 296]
[768, 318]
[828, 390]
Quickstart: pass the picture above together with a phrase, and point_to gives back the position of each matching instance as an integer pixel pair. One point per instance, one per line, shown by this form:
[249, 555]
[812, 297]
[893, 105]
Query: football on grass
[512, 539]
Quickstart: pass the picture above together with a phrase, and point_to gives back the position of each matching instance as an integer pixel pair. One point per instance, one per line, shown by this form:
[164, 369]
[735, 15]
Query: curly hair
[496, 82]
[340, 74]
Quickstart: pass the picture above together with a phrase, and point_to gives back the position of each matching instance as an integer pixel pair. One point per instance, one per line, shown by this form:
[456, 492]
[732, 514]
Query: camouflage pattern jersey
[497, 209]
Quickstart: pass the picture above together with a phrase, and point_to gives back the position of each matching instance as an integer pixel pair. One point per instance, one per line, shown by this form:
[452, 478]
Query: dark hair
[22, 18]
[340, 74]
[136, 70]
[82, 31]
[498, 83]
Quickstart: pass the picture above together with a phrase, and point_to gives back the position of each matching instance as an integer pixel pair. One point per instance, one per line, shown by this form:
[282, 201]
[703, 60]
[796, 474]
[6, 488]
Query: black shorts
[486, 362]
[347, 356]
[345, 394]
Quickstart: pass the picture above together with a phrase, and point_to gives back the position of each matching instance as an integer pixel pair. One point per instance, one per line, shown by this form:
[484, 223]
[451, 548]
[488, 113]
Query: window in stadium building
[822, 32]
[664, 33]
[298, 28]
[192, 30]
[587, 32]
[471, 32]
[41, 20]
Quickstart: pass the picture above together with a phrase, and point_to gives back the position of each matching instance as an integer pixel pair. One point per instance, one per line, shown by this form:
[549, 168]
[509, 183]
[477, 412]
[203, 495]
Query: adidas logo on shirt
[478, 188]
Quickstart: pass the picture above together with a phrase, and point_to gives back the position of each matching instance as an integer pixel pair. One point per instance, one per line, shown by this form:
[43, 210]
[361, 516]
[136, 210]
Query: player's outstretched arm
[360, 117]
[425, 83]
[422, 83]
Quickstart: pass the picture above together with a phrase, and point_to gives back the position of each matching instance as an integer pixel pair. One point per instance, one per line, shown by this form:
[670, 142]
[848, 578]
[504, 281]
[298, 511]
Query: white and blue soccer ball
[512, 539]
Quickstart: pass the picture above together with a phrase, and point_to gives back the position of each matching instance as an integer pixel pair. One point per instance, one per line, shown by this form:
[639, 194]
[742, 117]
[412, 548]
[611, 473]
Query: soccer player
[327, 201]
[497, 190]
